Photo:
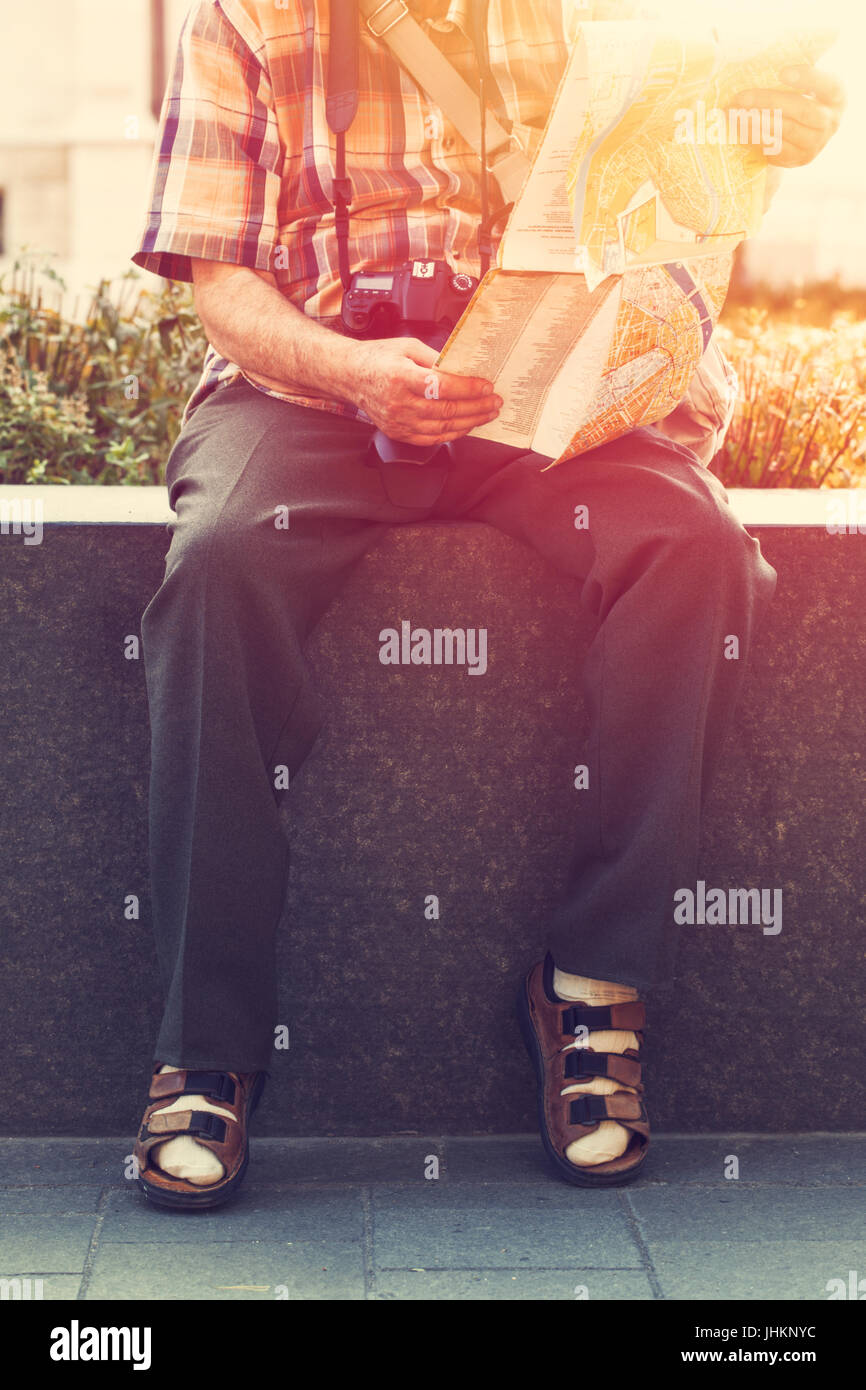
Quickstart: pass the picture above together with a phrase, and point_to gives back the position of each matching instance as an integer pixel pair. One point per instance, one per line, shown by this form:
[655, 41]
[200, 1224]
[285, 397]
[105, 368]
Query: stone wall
[425, 781]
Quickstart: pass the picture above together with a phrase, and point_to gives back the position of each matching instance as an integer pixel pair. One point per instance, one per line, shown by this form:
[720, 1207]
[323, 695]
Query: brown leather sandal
[237, 1092]
[548, 1025]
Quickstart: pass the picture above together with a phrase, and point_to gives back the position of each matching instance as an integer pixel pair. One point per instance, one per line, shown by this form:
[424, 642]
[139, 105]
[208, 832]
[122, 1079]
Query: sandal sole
[205, 1200]
[578, 1177]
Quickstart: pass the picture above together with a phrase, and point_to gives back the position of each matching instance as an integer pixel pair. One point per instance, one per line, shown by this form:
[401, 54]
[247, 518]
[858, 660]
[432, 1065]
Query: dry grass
[801, 416]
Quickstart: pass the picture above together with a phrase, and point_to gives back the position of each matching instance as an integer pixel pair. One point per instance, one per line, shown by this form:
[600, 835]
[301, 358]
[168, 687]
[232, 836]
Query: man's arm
[252, 324]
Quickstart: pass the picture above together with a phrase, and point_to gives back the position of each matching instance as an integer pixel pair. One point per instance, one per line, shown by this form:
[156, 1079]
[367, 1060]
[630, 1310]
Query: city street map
[614, 267]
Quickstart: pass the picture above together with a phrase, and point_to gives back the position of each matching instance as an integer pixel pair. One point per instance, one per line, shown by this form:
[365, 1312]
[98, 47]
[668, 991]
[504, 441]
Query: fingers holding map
[644, 182]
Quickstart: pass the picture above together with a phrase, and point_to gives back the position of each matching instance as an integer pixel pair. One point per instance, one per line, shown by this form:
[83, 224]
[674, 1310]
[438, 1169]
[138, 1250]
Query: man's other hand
[811, 113]
[394, 382]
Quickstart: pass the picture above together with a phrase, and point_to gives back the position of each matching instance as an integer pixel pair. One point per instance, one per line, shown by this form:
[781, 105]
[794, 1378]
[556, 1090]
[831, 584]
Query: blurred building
[81, 84]
[815, 229]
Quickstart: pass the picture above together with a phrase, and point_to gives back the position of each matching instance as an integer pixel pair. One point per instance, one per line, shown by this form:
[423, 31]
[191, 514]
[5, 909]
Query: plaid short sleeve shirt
[244, 165]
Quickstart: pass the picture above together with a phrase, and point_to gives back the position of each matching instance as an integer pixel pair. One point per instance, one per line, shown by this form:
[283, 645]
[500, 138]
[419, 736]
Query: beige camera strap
[391, 22]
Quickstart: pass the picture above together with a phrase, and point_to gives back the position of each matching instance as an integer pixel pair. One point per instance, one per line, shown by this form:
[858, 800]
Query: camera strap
[478, 25]
[341, 106]
[499, 149]
[415, 50]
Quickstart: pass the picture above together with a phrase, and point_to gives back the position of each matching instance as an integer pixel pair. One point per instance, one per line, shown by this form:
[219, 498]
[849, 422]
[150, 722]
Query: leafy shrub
[98, 397]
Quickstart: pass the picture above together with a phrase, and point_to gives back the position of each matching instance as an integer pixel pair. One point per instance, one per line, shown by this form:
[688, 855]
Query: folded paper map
[615, 264]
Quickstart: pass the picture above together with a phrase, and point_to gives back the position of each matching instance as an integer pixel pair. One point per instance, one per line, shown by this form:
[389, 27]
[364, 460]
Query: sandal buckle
[587, 1110]
[579, 1061]
[208, 1126]
[215, 1084]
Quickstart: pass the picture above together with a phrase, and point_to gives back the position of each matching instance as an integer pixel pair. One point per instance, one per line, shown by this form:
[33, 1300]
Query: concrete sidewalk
[369, 1219]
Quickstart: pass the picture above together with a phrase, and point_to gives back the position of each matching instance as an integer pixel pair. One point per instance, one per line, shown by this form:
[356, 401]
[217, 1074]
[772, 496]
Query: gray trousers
[666, 571]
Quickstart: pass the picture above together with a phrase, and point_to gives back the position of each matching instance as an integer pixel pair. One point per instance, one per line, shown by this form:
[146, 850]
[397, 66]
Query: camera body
[420, 299]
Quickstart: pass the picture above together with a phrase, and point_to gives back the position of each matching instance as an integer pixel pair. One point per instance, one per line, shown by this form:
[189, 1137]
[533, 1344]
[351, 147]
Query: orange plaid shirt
[244, 165]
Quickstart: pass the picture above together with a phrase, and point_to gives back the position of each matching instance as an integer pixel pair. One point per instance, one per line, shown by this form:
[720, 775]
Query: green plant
[96, 397]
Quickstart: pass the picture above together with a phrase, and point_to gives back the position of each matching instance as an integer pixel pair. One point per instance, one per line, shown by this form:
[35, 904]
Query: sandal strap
[622, 1106]
[216, 1085]
[202, 1123]
[211, 1131]
[583, 1062]
[630, 1017]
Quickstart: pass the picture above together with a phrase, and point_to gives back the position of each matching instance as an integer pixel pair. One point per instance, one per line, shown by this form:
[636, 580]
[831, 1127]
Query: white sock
[610, 1139]
[184, 1157]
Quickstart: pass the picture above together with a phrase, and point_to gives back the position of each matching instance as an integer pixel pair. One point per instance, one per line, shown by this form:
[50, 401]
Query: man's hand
[250, 323]
[393, 381]
[810, 114]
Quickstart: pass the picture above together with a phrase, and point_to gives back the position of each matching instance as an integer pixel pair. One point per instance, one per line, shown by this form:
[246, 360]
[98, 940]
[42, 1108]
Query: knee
[713, 541]
[209, 538]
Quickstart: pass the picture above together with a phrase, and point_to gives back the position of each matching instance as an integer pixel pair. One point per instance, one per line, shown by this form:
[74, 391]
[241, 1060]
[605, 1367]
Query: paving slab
[496, 1158]
[257, 1213]
[738, 1214]
[58, 1160]
[472, 1226]
[325, 1269]
[50, 1244]
[752, 1270]
[357, 1161]
[810, 1160]
[62, 1201]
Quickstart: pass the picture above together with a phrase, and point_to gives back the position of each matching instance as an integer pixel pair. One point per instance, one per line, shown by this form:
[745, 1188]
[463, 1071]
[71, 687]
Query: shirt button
[448, 142]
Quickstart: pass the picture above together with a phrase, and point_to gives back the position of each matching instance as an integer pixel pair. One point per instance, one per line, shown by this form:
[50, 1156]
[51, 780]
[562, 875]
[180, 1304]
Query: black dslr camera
[420, 299]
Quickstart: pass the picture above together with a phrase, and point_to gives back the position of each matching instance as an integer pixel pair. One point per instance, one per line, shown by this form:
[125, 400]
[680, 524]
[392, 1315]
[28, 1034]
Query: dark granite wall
[429, 781]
